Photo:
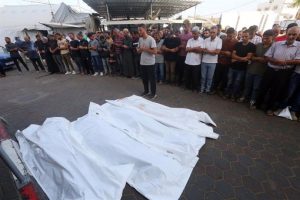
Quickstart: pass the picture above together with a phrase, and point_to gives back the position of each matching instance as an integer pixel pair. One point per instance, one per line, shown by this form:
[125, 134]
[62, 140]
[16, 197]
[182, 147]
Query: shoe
[96, 74]
[37, 71]
[212, 92]
[153, 96]
[67, 73]
[252, 105]
[241, 100]
[160, 82]
[232, 98]
[270, 113]
[73, 72]
[101, 73]
[277, 112]
[294, 117]
[145, 94]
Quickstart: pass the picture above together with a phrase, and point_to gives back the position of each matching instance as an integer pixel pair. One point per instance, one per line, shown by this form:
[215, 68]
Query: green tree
[296, 3]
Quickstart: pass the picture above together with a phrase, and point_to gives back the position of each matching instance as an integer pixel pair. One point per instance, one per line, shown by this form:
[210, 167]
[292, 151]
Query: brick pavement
[256, 156]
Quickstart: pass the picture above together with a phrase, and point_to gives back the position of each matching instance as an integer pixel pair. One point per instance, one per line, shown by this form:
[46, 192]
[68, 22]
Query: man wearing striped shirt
[282, 57]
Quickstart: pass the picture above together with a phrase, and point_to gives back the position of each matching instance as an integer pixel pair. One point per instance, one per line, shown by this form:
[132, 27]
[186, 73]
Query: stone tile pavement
[256, 156]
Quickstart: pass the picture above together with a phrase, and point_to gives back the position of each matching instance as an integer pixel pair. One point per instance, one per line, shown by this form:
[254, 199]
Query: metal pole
[107, 12]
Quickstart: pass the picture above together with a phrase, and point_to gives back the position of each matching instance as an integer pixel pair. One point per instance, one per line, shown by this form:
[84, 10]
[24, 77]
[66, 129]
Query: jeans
[36, 62]
[97, 63]
[235, 79]
[148, 76]
[252, 85]
[87, 64]
[78, 62]
[170, 71]
[59, 62]
[105, 65]
[293, 97]
[220, 77]
[120, 63]
[159, 71]
[19, 58]
[207, 73]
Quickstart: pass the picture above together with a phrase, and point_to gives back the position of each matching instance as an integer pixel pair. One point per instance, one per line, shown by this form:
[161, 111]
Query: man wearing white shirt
[193, 60]
[212, 47]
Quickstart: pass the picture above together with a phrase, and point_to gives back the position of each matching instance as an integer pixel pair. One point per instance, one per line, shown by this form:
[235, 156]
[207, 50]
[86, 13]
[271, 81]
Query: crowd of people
[262, 69]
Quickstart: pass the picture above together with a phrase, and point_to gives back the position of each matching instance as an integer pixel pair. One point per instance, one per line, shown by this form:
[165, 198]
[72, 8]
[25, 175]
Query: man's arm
[238, 58]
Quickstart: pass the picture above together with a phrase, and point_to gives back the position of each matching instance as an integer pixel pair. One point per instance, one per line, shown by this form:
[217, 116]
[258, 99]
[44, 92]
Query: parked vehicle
[5, 60]
[9, 153]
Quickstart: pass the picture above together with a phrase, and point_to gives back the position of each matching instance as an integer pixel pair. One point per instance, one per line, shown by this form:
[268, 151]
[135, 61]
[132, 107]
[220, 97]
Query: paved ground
[256, 156]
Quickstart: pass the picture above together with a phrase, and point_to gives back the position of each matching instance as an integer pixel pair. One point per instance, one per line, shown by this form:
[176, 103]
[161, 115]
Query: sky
[206, 8]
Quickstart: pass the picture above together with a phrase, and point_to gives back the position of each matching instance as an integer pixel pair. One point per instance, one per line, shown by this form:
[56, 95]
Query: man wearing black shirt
[54, 49]
[13, 49]
[241, 56]
[170, 47]
[85, 54]
[75, 52]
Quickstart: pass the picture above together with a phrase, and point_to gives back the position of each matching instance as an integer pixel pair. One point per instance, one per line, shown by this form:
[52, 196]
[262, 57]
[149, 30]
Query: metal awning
[62, 25]
[137, 22]
[147, 9]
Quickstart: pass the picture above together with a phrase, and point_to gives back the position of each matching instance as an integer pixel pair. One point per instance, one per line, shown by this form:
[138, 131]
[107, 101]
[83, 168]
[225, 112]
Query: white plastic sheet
[181, 118]
[178, 144]
[64, 169]
[152, 147]
[285, 113]
[154, 175]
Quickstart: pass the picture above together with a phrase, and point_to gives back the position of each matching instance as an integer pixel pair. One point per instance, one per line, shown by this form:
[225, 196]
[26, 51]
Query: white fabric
[211, 45]
[179, 144]
[181, 118]
[191, 57]
[152, 147]
[64, 169]
[154, 175]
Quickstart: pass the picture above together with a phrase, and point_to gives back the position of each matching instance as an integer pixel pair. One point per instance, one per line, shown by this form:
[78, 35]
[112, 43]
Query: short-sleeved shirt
[281, 51]
[84, 52]
[94, 43]
[62, 43]
[255, 67]
[11, 46]
[147, 58]
[211, 45]
[184, 38]
[75, 44]
[242, 51]
[53, 45]
[191, 57]
[227, 45]
[171, 43]
[256, 39]
[159, 58]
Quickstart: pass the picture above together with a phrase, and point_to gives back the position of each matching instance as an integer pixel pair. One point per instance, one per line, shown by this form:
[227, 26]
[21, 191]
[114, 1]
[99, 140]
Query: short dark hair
[90, 34]
[246, 31]
[143, 26]
[291, 25]
[269, 32]
[230, 30]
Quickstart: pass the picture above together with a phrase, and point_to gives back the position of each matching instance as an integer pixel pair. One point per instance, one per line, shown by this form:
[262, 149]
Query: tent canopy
[140, 8]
